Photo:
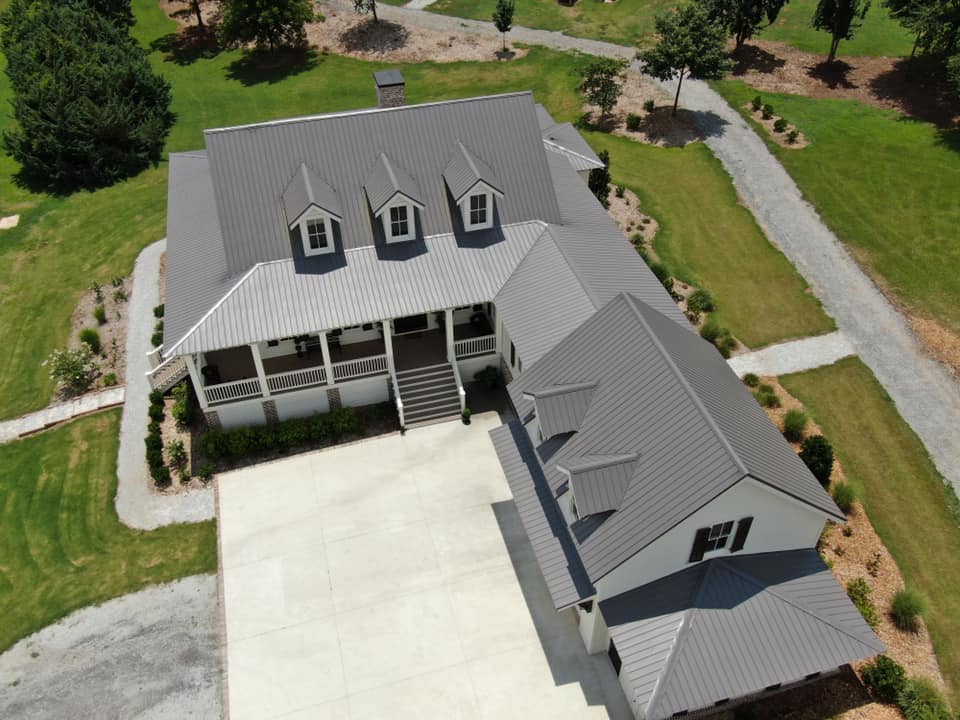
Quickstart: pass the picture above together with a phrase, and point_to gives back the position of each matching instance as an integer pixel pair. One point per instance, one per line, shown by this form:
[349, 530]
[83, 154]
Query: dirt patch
[346, 33]
[941, 343]
[913, 88]
[783, 136]
[112, 357]
[631, 220]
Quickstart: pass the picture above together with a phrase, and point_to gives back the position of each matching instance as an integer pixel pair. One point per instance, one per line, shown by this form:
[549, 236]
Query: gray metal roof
[563, 139]
[560, 408]
[599, 482]
[252, 165]
[387, 78]
[306, 189]
[386, 180]
[552, 544]
[465, 170]
[732, 627]
[686, 430]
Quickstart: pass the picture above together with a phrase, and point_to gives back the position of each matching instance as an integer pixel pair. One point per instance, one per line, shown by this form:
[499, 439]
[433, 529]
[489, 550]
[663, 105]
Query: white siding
[364, 392]
[471, 366]
[779, 523]
[238, 414]
[302, 403]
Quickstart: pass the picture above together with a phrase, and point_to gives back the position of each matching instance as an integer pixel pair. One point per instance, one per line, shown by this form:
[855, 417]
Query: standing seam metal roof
[465, 170]
[306, 189]
[385, 181]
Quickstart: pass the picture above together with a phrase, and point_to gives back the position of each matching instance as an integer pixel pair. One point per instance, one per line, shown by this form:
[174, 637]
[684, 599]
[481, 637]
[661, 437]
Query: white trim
[411, 221]
[312, 206]
[316, 214]
[465, 209]
[564, 149]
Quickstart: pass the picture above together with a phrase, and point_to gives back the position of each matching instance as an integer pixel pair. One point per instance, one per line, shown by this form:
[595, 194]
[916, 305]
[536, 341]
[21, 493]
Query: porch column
[388, 345]
[498, 333]
[327, 365]
[258, 363]
[197, 381]
[451, 354]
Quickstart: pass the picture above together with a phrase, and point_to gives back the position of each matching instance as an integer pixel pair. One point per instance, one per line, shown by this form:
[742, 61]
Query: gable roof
[465, 170]
[666, 395]
[563, 139]
[560, 408]
[385, 181]
[731, 627]
[599, 482]
[305, 190]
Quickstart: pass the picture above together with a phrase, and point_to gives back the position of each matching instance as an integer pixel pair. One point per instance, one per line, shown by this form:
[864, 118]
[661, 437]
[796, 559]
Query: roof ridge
[564, 147]
[468, 156]
[632, 303]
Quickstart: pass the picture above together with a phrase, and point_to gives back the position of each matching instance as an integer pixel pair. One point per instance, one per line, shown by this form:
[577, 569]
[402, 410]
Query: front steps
[428, 394]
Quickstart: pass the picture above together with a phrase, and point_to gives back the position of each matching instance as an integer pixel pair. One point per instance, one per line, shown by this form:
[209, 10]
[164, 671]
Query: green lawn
[888, 186]
[904, 496]
[707, 239]
[62, 546]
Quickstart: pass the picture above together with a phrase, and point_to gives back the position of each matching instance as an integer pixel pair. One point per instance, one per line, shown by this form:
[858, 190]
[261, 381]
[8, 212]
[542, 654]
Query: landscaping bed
[103, 309]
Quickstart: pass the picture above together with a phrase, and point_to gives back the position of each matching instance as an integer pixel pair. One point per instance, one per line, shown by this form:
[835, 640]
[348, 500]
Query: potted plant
[465, 416]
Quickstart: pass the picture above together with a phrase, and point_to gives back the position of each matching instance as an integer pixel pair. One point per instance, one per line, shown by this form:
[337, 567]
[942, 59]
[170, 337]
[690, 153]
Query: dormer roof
[386, 180]
[599, 482]
[465, 171]
[306, 189]
[561, 408]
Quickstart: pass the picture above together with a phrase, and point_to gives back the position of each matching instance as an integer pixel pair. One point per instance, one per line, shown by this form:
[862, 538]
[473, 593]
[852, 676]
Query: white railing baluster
[475, 346]
[294, 379]
[236, 390]
[373, 365]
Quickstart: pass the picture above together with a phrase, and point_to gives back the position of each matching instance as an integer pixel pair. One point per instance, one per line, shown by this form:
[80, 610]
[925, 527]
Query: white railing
[154, 357]
[373, 365]
[236, 390]
[461, 393]
[279, 382]
[475, 346]
[396, 393]
[167, 374]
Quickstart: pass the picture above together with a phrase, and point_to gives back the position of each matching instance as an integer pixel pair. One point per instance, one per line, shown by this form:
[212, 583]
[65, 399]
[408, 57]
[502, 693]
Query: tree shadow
[833, 75]
[271, 66]
[664, 128]
[751, 57]
[920, 89]
[188, 45]
[370, 36]
[708, 123]
[949, 138]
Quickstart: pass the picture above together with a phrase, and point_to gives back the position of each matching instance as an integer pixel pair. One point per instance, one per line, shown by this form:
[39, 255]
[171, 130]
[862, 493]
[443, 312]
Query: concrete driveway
[392, 579]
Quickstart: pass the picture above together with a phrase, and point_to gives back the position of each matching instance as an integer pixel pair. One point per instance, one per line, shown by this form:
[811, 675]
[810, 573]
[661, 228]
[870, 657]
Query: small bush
[156, 397]
[780, 125]
[161, 476]
[919, 699]
[663, 275]
[116, 281]
[817, 453]
[860, 593]
[767, 398]
[633, 122]
[873, 565]
[718, 336]
[155, 413]
[110, 379]
[885, 678]
[620, 191]
[843, 495]
[756, 103]
[157, 338]
[119, 295]
[792, 136]
[183, 410]
[751, 380]
[649, 105]
[907, 606]
[100, 314]
[767, 111]
[158, 311]
[710, 331]
[91, 338]
[700, 301]
[74, 369]
[97, 292]
[794, 423]
[489, 377]
[177, 453]
[205, 472]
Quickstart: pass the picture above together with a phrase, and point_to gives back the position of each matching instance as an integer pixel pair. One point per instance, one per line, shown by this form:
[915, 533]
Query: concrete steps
[428, 394]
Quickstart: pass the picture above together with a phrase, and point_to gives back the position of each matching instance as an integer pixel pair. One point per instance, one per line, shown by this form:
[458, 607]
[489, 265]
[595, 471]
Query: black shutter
[614, 657]
[699, 544]
[741, 537]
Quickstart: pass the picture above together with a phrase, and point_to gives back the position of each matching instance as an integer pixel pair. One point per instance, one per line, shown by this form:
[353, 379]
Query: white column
[327, 365]
[498, 331]
[197, 382]
[261, 374]
[448, 317]
[388, 344]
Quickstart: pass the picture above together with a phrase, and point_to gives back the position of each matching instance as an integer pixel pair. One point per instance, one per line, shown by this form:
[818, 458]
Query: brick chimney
[390, 88]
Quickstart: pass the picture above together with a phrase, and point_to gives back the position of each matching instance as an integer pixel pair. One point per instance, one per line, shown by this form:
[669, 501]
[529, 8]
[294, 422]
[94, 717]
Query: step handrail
[461, 393]
[396, 391]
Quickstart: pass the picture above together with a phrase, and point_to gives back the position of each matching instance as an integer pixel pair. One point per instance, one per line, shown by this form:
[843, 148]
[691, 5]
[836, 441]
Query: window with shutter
[708, 539]
[614, 657]
[740, 539]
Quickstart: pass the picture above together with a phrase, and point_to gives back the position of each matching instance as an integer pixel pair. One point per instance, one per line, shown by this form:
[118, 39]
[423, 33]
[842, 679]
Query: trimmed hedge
[154, 442]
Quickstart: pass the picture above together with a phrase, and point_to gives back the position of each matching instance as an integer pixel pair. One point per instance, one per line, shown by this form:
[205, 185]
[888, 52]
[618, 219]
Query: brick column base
[213, 418]
[270, 411]
[333, 398]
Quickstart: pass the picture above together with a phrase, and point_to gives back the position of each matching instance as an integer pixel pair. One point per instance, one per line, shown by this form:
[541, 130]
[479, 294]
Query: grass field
[709, 240]
[888, 186]
[912, 510]
[62, 546]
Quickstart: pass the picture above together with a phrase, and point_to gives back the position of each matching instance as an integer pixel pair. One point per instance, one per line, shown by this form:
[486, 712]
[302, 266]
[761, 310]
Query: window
[399, 222]
[478, 209]
[719, 534]
[717, 537]
[317, 234]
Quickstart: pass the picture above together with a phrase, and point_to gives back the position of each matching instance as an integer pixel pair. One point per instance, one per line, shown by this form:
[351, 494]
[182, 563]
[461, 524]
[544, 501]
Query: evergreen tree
[599, 180]
[89, 111]
[265, 23]
[840, 18]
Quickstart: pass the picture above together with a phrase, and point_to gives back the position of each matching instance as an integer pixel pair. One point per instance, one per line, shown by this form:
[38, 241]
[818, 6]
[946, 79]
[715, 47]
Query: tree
[503, 19]
[601, 82]
[366, 6]
[817, 454]
[743, 18]
[194, 8]
[265, 23]
[841, 18]
[89, 111]
[690, 44]
[599, 180]
[73, 369]
[936, 26]
[117, 11]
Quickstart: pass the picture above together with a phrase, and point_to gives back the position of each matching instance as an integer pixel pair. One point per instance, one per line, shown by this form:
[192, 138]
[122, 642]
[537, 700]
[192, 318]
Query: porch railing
[236, 390]
[475, 346]
[167, 374]
[373, 365]
[294, 379]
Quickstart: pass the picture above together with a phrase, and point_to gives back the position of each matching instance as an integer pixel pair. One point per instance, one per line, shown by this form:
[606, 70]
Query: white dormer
[476, 208]
[316, 232]
[312, 205]
[399, 220]
[473, 186]
[394, 198]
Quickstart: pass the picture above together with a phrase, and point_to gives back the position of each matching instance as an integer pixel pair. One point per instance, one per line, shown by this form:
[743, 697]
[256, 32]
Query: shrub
[794, 423]
[817, 454]
[158, 311]
[116, 281]
[700, 301]
[489, 377]
[620, 191]
[205, 472]
[74, 369]
[718, 336]
[155, 413]
[119, 295]
[859, 592]
[183, 409]
[885, 678]
[161, 476]
[110, 379]
[599, 180]
[91, 338]
[767, 111]
[100, 314]
[919, 699]
[663, 275]
[157, 338]
[156, 397]
[751, 380]
[767, 398]
[177, 453]
[97, 292]
[780, 125]
[649, 105]
[792, 136]
[633, 122]
[907, 606]
[843, 495]
[756, 103]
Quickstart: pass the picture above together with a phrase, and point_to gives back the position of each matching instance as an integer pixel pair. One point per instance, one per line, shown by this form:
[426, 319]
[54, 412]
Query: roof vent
[390, 88]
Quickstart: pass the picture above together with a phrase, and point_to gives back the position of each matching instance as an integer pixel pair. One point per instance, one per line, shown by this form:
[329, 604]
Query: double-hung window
[399, 222]
[317, 234]
[478, 209]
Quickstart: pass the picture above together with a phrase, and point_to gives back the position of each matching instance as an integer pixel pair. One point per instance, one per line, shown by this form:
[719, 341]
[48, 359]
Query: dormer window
[399, 224]
[393, 194]
[316, 231]
[472, 184]
[478, 212]
[311, 206]
[317, 234]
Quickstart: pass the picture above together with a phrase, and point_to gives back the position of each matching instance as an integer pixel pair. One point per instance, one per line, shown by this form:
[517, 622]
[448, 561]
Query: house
[389, 253]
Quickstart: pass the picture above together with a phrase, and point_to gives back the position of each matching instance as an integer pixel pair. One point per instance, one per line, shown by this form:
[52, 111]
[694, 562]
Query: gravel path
[794, 356]
[150, 655]
[54, 414]
[136, 505]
